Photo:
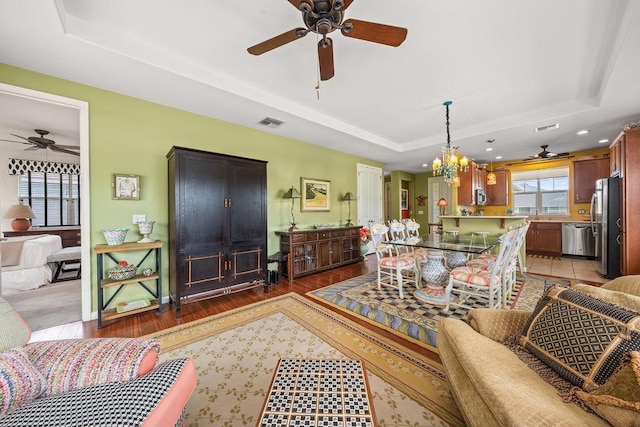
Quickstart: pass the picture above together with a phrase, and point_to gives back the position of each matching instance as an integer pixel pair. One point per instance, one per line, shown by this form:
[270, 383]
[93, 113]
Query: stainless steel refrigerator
[606, 226]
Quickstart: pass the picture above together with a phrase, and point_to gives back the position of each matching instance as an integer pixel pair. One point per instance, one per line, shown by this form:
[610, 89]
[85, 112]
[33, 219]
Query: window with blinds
[53, 197]
[541, 192]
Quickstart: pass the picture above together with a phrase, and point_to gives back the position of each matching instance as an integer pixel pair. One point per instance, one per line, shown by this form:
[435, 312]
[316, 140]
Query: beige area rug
[412, 318]
[50, 305]
[237, 352]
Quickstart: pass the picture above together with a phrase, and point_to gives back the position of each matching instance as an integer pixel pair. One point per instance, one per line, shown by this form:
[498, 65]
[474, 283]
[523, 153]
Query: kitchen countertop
[561, 220]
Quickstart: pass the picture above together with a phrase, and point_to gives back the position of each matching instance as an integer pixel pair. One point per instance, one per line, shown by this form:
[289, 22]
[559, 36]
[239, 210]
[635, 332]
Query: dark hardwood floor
[150, 321]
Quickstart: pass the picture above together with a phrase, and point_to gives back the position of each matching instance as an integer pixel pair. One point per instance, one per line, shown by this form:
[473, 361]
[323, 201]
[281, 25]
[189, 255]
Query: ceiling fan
[544, 154]
[323, 17]
[42, 143]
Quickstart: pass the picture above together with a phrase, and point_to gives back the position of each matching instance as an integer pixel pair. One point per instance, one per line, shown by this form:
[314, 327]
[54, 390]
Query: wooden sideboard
[70, 236]
[310, 251]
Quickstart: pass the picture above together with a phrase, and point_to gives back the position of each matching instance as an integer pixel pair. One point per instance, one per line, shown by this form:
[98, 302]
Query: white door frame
[85, 209]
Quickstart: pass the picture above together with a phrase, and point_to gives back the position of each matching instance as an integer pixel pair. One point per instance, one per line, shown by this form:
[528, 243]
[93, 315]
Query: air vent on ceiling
[269, 122]
[547, 127]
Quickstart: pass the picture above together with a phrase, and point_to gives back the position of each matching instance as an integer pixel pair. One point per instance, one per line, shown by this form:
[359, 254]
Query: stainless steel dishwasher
[577, 239]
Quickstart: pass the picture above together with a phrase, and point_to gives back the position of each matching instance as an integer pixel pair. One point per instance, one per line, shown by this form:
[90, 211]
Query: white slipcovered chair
[391, 266]
[482, 284]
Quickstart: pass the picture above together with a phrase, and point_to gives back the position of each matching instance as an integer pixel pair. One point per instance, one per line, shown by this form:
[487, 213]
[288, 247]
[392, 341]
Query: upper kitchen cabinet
[585, 174]
[498, 194]
[471, 181]
[629, 142]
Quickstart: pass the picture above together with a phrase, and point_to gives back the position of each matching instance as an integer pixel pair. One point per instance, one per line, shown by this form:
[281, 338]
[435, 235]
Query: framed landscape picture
[316, 195]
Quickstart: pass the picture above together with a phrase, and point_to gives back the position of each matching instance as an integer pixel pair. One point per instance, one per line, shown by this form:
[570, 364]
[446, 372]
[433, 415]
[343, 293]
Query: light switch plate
[139, 218]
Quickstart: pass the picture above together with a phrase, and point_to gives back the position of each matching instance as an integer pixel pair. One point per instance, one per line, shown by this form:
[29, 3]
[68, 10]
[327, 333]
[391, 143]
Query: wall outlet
[582, 211]
[420, 212]
[139, 218]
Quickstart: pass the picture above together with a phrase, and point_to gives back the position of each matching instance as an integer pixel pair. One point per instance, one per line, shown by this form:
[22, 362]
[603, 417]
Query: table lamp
[442, 203]
[292, 194]
[22, 214]
[349, 196]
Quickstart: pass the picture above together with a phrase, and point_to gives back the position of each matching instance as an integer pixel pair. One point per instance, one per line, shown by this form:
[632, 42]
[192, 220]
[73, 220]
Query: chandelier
[450, 164]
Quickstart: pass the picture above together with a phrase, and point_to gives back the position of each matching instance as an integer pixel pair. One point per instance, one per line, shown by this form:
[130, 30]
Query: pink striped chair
[481, 284]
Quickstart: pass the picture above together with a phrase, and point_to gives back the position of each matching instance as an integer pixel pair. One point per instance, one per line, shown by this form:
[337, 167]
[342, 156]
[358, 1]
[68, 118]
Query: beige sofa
[493, 387]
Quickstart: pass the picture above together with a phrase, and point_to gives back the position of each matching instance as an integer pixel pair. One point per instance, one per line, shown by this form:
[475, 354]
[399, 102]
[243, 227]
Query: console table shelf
[105, 313]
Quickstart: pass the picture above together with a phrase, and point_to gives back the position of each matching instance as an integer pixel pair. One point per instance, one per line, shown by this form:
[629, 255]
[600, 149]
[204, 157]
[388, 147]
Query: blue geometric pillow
[581, 338]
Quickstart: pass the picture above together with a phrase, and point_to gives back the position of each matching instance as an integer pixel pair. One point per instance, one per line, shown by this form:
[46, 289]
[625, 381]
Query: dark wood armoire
[217, 224]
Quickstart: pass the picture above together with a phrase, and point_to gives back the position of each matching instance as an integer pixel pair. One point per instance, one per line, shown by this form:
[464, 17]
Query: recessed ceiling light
[488, 149]
[603, 141]
[582, 132]
[424, 165]
[498, 157]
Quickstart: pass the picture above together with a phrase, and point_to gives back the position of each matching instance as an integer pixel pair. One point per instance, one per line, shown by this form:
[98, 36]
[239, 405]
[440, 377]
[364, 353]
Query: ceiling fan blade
[374, 32]
[325, 59]
[298, 4]
[68, 147]
[62, 150]
[343, 7]
[277, 41]
[16, 142]
[21, 137]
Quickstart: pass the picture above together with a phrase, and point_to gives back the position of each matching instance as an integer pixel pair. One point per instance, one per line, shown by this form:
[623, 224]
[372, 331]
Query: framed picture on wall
[316, 195]
[125, 187]
[404, 199]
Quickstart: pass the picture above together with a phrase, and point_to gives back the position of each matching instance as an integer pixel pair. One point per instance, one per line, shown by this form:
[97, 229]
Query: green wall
[132, 136]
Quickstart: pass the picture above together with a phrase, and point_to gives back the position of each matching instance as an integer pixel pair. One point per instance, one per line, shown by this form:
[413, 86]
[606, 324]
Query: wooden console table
[310, 251]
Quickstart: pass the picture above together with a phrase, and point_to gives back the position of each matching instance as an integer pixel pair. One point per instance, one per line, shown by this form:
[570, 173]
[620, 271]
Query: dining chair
[390, 265]
[481, 284]
[509, 274]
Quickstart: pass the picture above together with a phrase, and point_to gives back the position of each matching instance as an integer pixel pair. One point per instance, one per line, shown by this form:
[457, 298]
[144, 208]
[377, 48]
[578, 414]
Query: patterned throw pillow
[581, 338]
[618, 401]
[20, 381]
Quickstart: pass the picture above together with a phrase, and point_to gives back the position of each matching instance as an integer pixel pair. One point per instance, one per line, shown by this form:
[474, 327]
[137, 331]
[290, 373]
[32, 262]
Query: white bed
[32, 271]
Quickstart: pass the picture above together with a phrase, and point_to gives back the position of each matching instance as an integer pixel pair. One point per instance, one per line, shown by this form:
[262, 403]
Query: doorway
[81, 108]
[369, 194]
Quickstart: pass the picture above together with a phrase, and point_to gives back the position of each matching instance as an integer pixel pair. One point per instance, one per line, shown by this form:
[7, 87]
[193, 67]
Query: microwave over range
[481, 197]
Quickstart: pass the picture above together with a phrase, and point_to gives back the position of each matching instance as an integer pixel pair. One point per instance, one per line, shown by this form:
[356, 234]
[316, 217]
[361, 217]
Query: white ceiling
[508, 66]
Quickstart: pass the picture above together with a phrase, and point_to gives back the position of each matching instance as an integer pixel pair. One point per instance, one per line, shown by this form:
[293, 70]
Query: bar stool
[450, 233]
[482, 234]
[478, 234]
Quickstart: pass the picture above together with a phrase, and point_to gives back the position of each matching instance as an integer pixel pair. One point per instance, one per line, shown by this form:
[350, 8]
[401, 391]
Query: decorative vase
[364, 249]
[456, 259]
[434, 272]
[146, 228]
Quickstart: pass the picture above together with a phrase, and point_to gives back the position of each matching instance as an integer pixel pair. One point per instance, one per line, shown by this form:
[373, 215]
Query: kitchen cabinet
[544, 238]
[471, 180]
[629, 143]
[217, 224]
[310, 251]
[498, 194]
[585, 174]
[615, 158]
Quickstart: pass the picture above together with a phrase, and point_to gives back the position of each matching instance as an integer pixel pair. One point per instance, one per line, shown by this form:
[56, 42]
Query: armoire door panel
[202, 208]
[249, 207]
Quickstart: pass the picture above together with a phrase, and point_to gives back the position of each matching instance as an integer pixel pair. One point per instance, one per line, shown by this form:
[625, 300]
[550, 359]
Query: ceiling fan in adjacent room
[42, 143]
[323, 17]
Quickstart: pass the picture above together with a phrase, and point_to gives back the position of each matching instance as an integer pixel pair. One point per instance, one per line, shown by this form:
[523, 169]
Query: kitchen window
[541, 192]
[53, 197]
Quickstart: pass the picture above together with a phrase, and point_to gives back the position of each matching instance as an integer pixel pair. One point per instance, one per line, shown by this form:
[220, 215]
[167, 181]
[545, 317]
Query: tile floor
[570, 268]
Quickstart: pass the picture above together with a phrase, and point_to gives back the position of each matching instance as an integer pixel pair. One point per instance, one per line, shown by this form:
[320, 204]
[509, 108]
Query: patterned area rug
[410, 318]
[237, 352]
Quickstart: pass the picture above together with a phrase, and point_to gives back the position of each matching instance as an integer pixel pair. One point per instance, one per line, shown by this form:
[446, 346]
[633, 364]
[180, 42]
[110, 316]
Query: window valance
[20, 166]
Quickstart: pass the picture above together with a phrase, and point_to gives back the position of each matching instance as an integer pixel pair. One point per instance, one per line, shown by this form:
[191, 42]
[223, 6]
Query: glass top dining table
[462, 243]
[448, 252]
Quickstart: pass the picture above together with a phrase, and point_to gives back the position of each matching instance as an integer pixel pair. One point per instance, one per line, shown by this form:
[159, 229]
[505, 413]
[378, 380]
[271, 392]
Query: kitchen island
[495, 225]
